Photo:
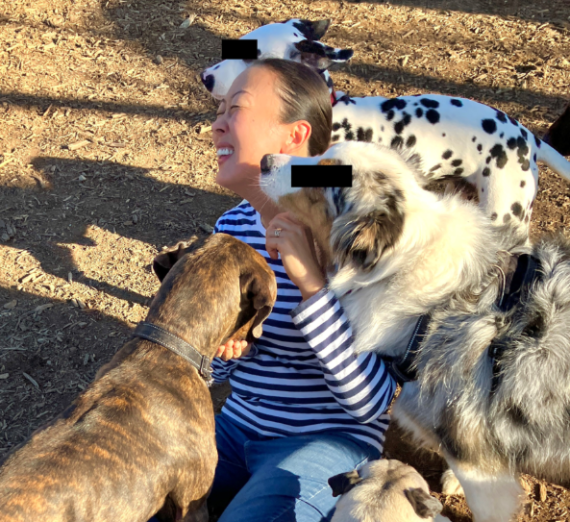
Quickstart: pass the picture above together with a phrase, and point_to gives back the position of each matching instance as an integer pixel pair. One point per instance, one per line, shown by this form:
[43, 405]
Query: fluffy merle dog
[447, 137]
[401, 253]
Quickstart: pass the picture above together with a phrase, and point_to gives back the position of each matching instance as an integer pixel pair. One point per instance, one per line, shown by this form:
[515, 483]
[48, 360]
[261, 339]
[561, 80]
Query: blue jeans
[263, 479]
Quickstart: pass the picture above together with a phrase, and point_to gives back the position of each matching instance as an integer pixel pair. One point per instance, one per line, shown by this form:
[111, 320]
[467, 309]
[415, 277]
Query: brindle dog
[141, 438]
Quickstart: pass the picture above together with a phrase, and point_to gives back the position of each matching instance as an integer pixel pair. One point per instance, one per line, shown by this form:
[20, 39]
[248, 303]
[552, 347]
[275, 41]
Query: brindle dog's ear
[164, 261]
[259, 294]
[344, 482]
[423, 503]
[363, 240]
[320, 56]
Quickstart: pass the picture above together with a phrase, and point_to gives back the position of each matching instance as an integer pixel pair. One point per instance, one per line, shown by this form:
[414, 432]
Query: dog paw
[450, 485]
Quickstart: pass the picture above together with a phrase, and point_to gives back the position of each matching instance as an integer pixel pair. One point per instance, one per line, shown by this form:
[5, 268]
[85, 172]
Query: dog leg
[491, 498]
[450, 485]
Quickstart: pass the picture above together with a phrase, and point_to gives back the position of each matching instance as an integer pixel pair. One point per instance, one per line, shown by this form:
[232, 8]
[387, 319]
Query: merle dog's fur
[402, 252]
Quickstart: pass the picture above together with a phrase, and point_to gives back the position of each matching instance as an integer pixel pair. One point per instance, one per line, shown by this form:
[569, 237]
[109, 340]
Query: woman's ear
[298, 139]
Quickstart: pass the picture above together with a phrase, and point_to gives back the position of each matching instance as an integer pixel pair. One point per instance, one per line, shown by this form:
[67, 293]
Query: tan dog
[384, 491]
[141, 438]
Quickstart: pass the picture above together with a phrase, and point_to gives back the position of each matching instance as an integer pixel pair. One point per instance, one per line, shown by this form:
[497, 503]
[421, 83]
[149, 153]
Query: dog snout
[267, 163]
[208, 81]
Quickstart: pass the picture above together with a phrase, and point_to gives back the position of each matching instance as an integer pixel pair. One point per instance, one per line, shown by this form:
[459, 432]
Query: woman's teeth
[224, 152]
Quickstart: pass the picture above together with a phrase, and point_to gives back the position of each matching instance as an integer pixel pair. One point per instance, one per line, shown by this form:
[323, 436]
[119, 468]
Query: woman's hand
[233, 350]
[295, 244]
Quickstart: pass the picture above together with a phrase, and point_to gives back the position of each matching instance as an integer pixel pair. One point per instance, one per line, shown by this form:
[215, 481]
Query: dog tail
[554, 160]
[558, 135]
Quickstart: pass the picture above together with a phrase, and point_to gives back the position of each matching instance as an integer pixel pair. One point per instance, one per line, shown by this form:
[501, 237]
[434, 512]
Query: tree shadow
[122, 199]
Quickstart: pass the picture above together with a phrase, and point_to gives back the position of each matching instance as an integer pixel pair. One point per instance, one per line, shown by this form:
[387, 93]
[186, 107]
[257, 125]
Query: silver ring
[277, 232]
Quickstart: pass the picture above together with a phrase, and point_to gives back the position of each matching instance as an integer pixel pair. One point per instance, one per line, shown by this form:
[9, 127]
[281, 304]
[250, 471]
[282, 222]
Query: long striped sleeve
[361, 384]
[302, 375]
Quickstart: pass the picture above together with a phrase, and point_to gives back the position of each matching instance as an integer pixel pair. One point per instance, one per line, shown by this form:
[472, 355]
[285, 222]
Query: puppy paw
[450, 485]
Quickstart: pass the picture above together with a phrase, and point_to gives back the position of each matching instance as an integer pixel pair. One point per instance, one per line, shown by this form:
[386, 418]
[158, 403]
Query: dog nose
[208, 81]
[267, 163]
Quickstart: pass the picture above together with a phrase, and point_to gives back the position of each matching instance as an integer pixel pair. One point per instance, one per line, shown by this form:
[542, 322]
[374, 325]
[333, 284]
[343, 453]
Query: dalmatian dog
[456, 137]
[447, 137]
[294, 39]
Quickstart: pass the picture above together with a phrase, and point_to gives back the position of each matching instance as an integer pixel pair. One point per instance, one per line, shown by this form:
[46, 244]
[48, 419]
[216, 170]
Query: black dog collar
[175, 344]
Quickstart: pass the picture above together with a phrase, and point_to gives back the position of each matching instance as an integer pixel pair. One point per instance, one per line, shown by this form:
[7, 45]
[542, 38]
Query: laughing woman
[303, 405]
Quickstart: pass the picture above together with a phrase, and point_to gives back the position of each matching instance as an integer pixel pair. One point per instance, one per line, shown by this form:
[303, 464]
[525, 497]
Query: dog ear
[363, 240]
[423, 503]
[312, 30]
[344, 482]
[261, 296]
[319, 56]
[164, 261]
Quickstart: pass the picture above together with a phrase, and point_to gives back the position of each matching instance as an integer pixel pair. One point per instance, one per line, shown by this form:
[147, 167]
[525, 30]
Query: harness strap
[175, 344]
[404, 369]
[521, 270]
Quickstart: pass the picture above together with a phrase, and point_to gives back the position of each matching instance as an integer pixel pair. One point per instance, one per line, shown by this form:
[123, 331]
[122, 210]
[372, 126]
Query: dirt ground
[106, 157]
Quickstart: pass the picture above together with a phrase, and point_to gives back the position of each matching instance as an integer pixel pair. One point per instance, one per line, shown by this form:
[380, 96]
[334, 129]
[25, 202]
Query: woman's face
[247, 127]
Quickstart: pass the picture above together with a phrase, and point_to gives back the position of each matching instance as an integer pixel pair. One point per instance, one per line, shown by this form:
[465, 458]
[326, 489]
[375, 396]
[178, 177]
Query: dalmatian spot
[435, 167]
[419, 112]
[498, 152]
[430, 104]
[534, 158]
[486, 172]
[349, 136]
[432, 116]
[396, 142]
[447, 154]
[456, 162]
[457, 103]
[388, 105]
[494, 216]
[501, 116]
[537, 141]
[512, 143]
[335, 137]
[380, 139]
[502, 135]
[523, 183]
[506, 218]
[514, 122]
[345, 125]
[521, 143]
[444, 135]
[399, 126]
[482, 190]
[474, 139]
[479, 147]
[390, 115]
[216, 67]
[525, 165]
[364, 135]
[457, 172]
[517, 209]
[411, 141]
[336, 126]
[524, 134]
[489, 126]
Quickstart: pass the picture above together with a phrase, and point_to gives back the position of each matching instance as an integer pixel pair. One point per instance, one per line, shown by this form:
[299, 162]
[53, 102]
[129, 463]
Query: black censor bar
[321, 176]
[239, 49]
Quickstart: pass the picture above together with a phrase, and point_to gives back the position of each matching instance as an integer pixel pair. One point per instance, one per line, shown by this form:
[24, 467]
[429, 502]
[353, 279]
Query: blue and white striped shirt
[302, 376]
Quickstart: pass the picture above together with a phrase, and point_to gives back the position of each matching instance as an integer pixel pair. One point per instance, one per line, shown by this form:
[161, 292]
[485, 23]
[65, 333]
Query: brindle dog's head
[215, 289]
[355, 225]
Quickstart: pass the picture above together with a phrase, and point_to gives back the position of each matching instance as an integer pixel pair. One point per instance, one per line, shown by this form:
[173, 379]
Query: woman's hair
[305, 96]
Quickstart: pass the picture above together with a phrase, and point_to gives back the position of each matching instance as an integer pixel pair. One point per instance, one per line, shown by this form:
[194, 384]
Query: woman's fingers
[231, 350]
